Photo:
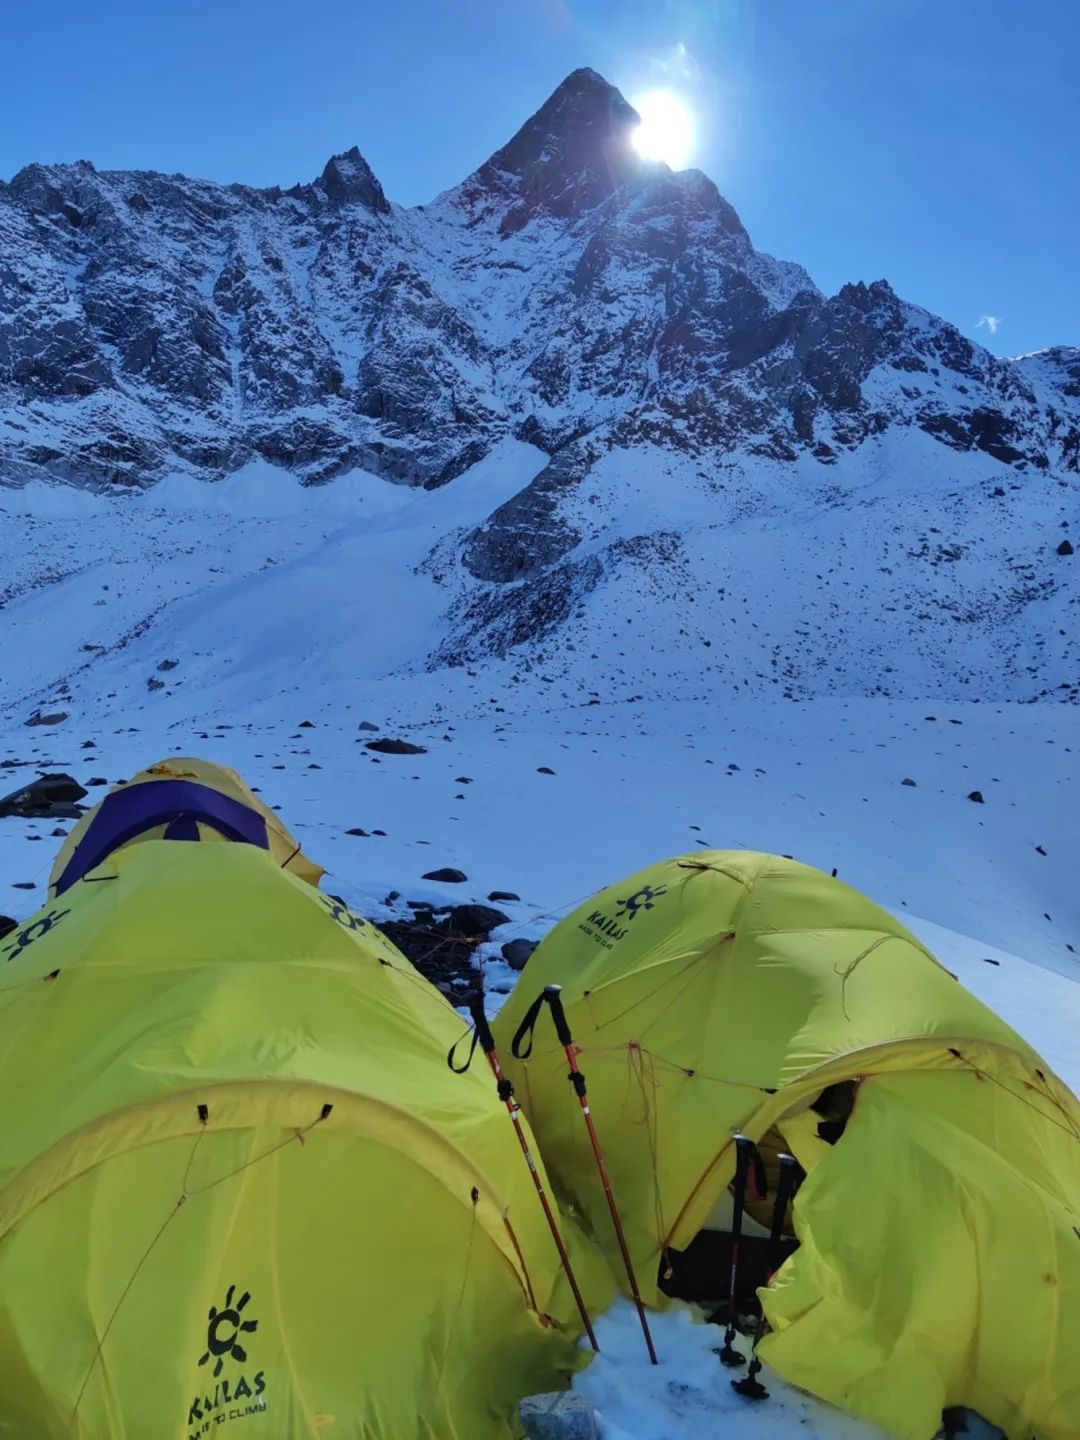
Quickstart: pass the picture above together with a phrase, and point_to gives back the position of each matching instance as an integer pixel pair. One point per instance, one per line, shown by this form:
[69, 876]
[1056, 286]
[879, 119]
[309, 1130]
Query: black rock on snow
[47, 797]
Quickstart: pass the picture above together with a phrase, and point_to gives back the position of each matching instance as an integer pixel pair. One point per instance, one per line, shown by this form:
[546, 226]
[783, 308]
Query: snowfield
[664, 730]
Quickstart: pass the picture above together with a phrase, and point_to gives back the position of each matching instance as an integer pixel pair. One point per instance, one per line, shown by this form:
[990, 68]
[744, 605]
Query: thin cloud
[992, 322]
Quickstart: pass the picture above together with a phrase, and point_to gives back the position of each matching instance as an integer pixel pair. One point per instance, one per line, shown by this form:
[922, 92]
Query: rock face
[568, 292]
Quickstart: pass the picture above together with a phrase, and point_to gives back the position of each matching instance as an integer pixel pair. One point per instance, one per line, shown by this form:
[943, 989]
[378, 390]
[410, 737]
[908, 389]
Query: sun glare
[666, 131]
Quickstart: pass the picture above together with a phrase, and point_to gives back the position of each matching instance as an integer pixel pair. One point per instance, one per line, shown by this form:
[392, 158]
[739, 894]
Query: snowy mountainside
[214, 619]
[658, 496]
[707, 421]
[898, 571]
[153, 324]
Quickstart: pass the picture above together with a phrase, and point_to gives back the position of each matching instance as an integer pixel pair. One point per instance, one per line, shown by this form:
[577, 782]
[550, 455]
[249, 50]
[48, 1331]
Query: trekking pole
[791, 1176]
[744, 1153]
[553, 996]
[486, 1041]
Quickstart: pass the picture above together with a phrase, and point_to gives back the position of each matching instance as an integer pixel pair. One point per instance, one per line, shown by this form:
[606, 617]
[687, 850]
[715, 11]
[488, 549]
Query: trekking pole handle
[553, 996]
[480, 1020]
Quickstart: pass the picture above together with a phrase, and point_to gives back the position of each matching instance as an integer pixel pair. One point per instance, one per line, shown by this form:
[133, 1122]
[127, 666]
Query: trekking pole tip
[750, 1388]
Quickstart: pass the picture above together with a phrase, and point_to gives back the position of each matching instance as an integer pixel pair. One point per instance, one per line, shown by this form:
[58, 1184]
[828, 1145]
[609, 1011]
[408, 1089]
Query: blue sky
[935, 143]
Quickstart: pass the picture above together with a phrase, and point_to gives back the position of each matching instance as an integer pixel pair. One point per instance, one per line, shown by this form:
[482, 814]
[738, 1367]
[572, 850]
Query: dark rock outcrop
[48, 796]
[395, 747]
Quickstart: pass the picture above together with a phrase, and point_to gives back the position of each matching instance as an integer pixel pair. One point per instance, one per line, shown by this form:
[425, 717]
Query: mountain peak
[572, 154]
[349, 180]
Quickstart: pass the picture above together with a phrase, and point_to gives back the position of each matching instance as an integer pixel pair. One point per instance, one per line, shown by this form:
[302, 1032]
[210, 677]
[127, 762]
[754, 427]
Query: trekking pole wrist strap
[522, 1043]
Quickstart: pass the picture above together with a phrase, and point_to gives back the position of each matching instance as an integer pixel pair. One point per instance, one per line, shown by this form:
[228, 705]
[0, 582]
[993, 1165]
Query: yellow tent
[722, 993]
[241, 1194]
[177, 799]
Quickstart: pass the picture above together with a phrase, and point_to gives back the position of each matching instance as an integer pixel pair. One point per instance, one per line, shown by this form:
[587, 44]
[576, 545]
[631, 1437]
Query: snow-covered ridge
[154, 325]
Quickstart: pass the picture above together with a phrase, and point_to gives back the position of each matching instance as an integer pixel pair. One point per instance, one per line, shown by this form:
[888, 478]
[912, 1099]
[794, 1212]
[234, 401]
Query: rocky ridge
[566, 289]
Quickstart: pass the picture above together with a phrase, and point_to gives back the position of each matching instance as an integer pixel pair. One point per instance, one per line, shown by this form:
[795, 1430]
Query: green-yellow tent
[180, 798]
[939, 1261]
[240, 1192]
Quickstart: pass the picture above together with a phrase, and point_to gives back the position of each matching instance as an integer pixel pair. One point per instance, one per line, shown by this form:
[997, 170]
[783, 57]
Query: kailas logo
[607, 930]
[235, 1396]
[224, 1331]
[643, 899]
[340, 912]
[34, 931]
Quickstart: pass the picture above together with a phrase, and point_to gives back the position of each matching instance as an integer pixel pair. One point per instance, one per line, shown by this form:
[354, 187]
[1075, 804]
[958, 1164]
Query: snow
[688, 1396]
[283, 604]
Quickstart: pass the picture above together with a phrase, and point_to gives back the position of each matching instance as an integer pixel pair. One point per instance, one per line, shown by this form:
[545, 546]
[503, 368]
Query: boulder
[907, 781]
[395, 747]
[55, 717]
[446, 876]
[1066, 548]
[977, 796]
[367, 725]
[48, 796]
[475, 920]
[516, 952]
[559, 1416]
[503, 895]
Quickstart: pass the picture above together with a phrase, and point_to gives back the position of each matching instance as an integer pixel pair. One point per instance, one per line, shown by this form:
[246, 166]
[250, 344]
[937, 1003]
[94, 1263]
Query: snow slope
[279, 604]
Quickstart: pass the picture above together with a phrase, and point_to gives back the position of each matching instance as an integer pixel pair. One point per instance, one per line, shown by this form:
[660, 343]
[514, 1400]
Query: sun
[666, 131]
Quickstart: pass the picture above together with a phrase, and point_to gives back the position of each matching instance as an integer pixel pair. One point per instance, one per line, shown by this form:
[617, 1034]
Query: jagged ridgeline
[567, 293]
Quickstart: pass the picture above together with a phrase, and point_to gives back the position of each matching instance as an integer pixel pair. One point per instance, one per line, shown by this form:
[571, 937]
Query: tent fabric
[264, 1205]
[720, 993]
[177, 799]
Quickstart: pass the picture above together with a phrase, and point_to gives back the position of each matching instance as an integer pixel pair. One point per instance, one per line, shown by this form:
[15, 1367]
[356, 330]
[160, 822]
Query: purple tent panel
[180, 805]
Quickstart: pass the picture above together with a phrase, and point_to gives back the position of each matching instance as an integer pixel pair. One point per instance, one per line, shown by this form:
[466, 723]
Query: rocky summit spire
[349, 180]
[571, 154]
